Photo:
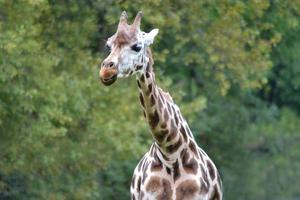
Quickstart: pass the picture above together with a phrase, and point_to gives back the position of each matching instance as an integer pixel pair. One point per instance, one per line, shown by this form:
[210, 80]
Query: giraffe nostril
[108, 64]
[111, 64]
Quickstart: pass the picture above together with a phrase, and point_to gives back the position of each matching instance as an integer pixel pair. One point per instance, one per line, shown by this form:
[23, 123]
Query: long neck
[168, 128]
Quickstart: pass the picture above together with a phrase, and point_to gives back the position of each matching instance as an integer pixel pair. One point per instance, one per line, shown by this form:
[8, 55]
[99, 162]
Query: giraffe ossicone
[175, 167]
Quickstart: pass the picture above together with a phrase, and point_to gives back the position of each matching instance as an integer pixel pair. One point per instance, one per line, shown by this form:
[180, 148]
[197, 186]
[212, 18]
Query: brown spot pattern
[142, 100]
[162, 186]
[156, 164]
[139, 184]
[150, 88]
[171, 136]
[142, 78]
[139, 85]
[160, 135]
[169, 108]
[154, 94]
[152, 100]
[153, 119]
[211, 170]
[175, 115]
[191, 166]
[166, 191]
[163, 125]
[176, 172]
[182, 130]
[174, 147]
[153, 185]
[186, 190]
[184, 155]
[176, 118]
[215, 194]
[193, 148]
[147, 74]
[133, 181]
[138, 67]
[168, 170]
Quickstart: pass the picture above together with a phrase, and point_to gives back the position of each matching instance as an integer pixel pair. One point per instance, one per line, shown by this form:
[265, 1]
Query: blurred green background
[233, 67]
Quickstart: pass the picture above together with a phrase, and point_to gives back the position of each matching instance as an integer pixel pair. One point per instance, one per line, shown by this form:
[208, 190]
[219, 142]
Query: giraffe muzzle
[108, 75]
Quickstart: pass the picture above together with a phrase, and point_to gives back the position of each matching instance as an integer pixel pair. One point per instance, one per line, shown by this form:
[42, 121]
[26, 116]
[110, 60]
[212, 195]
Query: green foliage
[56, 122]
[286, 73]
[274, 153]
[65, 136]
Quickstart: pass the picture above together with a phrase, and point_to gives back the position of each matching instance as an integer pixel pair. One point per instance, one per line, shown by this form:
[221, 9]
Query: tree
[65, 136]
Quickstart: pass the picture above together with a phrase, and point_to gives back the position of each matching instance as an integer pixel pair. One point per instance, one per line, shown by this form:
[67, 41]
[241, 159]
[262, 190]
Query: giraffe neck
[168, 128]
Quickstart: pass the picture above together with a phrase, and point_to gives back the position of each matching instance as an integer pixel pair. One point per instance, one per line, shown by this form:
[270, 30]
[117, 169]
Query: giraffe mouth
[110, 80]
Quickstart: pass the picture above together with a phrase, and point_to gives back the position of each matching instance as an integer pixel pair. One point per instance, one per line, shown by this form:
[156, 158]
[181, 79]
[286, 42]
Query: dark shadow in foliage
[14, 186]
[116, 179]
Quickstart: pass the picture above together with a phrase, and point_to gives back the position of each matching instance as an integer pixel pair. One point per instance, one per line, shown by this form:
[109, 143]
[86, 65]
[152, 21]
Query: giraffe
[175, 167]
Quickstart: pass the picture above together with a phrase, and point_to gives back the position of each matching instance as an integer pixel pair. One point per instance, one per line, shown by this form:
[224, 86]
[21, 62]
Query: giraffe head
[127, 50]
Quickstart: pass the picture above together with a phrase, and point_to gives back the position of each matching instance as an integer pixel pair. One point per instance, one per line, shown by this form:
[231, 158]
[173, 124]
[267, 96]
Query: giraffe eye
[108, 48]
[136, 47]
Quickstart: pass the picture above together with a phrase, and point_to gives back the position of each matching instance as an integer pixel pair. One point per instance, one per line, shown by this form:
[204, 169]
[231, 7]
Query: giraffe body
[154, 180]
[174, 168]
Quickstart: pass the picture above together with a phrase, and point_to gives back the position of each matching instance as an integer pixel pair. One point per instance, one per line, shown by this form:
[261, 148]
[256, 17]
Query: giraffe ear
[149, 37]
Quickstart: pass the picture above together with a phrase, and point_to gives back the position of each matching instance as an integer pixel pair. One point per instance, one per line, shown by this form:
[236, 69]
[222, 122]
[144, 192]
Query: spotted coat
[174, 168]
